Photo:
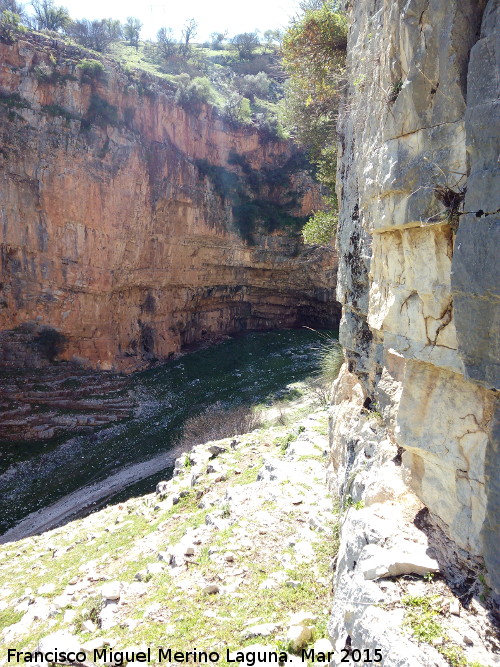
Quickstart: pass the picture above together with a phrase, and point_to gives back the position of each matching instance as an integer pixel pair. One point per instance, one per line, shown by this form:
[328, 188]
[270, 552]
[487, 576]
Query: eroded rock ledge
[132, 227]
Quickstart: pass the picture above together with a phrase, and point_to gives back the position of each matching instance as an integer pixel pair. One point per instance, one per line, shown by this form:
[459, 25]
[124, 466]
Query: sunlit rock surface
[418, 283]
[125, 219]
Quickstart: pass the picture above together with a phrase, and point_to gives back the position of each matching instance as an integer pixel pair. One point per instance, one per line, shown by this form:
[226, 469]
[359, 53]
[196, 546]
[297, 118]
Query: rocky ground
[235, 550]
[238, 552]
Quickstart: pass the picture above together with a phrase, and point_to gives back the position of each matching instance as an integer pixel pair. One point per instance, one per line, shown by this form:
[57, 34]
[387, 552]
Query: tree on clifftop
[188, 33]
[313, 53]
[49, 17]
[131, 30]
[246, 43]
[96, 34]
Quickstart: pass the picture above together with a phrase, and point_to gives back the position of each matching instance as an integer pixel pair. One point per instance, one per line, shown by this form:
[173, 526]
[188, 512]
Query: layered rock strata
[418, 283]
[131, 227]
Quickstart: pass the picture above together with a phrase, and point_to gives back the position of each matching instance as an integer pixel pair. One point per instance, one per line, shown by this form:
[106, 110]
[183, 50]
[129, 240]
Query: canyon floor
[235, 553]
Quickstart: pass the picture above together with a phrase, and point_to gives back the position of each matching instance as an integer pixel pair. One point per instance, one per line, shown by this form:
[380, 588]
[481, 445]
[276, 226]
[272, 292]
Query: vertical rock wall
[418, 278]
[130, 226]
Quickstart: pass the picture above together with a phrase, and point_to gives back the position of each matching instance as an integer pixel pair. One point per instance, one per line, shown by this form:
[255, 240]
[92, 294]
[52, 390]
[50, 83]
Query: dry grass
[218, 422]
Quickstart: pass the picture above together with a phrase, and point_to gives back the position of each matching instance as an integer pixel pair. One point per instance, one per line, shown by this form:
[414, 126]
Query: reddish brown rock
[115, 232]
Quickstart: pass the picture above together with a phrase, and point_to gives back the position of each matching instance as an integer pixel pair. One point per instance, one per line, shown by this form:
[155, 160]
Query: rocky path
[233, 554]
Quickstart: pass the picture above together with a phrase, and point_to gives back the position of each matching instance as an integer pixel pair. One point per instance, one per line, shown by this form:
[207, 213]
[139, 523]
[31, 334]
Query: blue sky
[212, 15]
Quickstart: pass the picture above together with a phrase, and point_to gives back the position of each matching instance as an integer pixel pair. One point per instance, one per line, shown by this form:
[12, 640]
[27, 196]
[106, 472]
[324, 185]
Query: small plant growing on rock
[452, 201]
[93, 69]
[394, 91]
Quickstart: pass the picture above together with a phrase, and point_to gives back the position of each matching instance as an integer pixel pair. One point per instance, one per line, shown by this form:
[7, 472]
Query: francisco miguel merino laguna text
[162, 655]
[170, 655]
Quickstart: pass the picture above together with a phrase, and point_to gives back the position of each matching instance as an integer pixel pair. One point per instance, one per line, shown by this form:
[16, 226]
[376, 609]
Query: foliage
[46, 74]
[420, 616]
[236, 109]
[254, 85]
[247, 194]
[320, 228]
[50, 343]
[14, 100]
[131, 31]
[50, 17]
[217, 40]
[193, 92]
[58, 110]
[246, 43]
[100, 111]
[14, 7]
[93, 69]
[10, 27]
[314, 59]
[97, 34]
[273, 39]
[166, 42]
[331, 358]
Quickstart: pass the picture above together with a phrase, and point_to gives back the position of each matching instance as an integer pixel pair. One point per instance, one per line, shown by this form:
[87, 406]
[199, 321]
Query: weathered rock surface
[418, 280]
[127, 221]
[414, 432]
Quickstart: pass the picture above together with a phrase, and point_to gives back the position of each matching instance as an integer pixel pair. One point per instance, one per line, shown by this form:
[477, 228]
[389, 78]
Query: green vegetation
[93, 69]
[14, 100]
[122, 540]
[314, 59]
[192, 92]
[321, 227]
[9, 617]
[331, 358]
[10, 27]
[131, 31]
[50, 17]
[97, 34]
[422, 619]
[421, 614]
[57, 110]
[46, 74]
[248, 194]
[101, 112]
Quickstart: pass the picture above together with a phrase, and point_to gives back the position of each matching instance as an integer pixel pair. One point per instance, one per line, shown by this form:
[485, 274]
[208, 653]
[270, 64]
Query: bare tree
[166, 42]
[188, 33]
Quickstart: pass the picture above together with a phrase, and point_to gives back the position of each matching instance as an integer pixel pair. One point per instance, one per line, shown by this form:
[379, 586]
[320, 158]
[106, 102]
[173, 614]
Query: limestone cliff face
[133, 227]
[418, 280]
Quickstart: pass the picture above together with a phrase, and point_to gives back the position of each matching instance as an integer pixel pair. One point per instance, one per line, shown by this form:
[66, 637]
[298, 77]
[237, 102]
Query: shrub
[219, 421]
[14, 100]
[320, 228]
[101, 111]
[10, 27]
[46, 74]
[93, 69]
[254, 85]
[194, 92]
[50, 343]
[237, 109]
[97, 34]
[57, 110]
[331, 358]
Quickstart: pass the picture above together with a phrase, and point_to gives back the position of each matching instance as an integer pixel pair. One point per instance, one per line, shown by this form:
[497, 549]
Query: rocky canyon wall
[415, 437]
[131, 227]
